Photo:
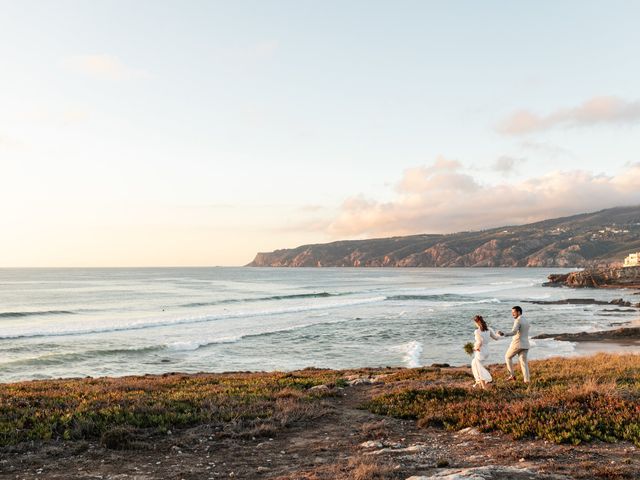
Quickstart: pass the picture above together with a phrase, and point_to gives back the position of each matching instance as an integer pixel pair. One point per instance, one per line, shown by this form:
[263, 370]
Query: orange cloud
[597, 110]
[433, 201]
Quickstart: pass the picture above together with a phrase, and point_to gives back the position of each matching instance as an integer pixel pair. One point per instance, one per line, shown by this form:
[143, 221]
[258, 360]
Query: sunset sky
[161, 133]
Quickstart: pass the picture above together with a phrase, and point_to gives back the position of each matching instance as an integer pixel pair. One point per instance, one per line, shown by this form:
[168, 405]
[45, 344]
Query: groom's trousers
[522, 357]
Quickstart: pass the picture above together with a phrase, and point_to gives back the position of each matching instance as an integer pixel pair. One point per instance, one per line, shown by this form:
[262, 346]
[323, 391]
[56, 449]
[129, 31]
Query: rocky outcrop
[621, 302]
[619, 277]
[585, 240]
[627, 334]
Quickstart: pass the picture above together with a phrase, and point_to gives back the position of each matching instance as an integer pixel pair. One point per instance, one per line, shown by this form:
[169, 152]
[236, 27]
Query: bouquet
[468, 347]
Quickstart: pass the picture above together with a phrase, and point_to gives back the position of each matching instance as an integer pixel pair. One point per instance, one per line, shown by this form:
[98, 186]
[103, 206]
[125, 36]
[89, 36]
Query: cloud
[104, 66]
[595, 111]
[546, 149]
[507, 165]
[443, 174]
[432, 201]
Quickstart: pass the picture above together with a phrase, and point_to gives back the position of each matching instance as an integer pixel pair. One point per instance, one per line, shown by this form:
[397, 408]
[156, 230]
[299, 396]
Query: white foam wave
[196, 344]
[489, 300]
[547, 347]
[188, 346]
[412, 352]
[144, 324]
[469, 302]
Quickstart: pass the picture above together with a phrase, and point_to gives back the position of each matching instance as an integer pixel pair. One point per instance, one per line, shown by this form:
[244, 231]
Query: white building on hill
[632, 260]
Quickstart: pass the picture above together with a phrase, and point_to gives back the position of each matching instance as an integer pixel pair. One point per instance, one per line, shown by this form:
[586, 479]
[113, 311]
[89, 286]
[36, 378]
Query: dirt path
[330, 447]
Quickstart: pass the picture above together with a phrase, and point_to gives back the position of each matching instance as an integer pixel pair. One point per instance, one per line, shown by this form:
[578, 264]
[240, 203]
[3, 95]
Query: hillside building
[632, 260]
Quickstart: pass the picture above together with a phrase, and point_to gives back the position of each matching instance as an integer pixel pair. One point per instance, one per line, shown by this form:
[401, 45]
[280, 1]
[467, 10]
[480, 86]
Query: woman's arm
[478, 343]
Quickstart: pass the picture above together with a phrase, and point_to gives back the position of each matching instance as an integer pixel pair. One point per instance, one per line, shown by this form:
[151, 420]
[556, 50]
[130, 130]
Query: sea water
[96, 322]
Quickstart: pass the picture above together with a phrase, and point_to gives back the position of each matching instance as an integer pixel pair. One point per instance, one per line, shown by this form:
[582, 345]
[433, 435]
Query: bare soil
[329, 447]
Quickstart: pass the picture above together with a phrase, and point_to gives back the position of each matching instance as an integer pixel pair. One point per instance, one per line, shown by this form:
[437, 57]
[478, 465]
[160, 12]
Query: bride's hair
[480, 321]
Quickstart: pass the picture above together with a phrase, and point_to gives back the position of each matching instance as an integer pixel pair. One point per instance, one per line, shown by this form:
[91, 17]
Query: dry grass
[371, 430]
[363, 468]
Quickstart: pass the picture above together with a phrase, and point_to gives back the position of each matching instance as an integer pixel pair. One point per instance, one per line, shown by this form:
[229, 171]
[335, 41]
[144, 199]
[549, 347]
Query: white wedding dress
[480, 354]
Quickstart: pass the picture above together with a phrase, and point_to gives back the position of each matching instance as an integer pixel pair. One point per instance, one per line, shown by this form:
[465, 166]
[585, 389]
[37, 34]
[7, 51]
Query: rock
[571, 301]
[608, 277]
[625, 333]
[397, 448]
[320, 389]
[490, 472]
[621, 302]
[371, 444]
[416, 448]
[469, 431]
[353, 380]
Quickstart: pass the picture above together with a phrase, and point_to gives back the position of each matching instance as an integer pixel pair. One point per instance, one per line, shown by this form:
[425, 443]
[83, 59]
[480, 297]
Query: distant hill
[588, 239]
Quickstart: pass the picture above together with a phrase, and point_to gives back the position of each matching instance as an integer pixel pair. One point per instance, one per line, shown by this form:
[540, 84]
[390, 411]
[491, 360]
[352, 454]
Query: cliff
[589, 239]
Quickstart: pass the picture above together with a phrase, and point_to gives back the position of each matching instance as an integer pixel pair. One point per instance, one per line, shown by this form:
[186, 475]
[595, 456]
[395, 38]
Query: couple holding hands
[519, 346]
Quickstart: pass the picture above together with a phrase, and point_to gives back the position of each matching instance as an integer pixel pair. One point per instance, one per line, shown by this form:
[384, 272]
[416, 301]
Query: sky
[197, 133]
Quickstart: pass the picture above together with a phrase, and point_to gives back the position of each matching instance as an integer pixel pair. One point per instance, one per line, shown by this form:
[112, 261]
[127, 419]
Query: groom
[519, 345]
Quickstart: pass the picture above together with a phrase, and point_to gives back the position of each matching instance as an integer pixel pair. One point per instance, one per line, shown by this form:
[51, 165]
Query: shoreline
[582, 348]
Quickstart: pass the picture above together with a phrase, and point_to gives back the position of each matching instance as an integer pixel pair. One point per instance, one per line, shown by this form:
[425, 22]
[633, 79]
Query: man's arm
[514, 330]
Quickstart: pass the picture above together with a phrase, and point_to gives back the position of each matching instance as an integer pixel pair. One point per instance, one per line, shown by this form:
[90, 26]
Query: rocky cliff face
[628, 277]
[585, 240]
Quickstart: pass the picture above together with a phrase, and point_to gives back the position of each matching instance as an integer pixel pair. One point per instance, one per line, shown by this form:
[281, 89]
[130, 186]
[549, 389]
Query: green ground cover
[568, 401]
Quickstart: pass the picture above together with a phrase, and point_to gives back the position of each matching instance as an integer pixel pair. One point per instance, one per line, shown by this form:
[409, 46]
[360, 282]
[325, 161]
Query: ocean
[123, 321]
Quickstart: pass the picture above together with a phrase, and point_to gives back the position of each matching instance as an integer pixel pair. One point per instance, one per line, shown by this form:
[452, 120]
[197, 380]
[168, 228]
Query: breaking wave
[35, 313]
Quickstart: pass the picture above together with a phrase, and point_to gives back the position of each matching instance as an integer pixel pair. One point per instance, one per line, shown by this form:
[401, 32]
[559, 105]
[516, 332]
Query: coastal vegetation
[118, 409]
[568, 401]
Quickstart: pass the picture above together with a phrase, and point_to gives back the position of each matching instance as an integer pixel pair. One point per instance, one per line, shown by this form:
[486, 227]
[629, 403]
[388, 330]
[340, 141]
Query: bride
[481, 352]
